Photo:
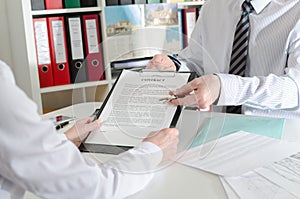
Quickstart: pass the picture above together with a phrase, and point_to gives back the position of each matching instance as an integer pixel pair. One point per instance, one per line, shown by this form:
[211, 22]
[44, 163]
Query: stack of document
[237, 153]
[253, 163]
[278, 180]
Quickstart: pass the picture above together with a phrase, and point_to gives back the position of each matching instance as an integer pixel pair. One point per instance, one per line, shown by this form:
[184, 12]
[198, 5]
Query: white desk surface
[175, 181]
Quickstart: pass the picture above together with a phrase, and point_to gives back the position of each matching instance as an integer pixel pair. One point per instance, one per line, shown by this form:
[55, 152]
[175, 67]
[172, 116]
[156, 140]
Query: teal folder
[154, 1]
[218, 127]
[71, 3]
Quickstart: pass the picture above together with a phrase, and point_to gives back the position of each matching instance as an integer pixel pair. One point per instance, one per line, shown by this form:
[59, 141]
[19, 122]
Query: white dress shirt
[272, 82]
[34, 157]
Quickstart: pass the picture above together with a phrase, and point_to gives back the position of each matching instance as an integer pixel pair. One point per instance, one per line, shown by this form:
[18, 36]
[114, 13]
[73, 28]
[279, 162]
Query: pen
[168, 99]
[62, 125]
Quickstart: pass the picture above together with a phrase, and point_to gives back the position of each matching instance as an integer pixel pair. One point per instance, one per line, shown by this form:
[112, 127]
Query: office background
[19, 46]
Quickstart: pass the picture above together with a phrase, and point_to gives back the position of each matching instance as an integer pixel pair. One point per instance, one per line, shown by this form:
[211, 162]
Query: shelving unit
[24, 63]
[22, 56]
[64, 11]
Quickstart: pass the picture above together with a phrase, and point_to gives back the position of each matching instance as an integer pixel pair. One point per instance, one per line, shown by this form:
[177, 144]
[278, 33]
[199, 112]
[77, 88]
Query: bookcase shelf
[21, 54]
[74, 86]
[19, 33]
[64, 11]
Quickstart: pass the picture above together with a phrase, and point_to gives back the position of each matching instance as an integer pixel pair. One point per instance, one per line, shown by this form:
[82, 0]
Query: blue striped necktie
[240, 49]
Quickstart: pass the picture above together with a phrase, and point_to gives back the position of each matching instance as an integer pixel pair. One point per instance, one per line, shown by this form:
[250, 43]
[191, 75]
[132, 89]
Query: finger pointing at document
[200, 92]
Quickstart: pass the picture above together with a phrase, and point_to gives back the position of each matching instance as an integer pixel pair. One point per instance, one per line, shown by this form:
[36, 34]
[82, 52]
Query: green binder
[218, 127]
[72, 3]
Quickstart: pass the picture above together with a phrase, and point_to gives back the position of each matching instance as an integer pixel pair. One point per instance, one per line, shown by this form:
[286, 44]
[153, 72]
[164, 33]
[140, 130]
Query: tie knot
[247, 7]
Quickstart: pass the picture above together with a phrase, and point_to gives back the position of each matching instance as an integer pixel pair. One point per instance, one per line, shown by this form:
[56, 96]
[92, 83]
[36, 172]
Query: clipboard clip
[96, 114]
[157, 73]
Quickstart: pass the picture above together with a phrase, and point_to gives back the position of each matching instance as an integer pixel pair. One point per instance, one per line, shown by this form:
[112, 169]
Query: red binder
[43, 52]
[93, 48]
[53, 4]
[58, 50]
[189, 16]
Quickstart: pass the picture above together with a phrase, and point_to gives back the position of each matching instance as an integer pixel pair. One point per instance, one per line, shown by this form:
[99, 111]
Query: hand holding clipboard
[132, 108]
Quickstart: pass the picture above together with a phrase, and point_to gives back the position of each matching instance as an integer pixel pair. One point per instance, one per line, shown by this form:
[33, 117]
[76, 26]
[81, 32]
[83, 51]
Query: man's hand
[81, 129]
[167, 140]
[161, 62]
[201, 92]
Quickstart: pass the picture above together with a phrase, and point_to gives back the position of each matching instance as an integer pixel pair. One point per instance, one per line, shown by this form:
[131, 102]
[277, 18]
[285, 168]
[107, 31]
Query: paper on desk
[285, 173]
[251, 185]
[221, 126]
[237, 153]
[229, 191]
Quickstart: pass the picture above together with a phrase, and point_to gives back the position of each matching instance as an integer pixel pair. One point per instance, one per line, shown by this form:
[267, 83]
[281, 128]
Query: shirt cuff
[143, 158]
[149, 146]
[153, 152]
[229, 88]
[62, 136]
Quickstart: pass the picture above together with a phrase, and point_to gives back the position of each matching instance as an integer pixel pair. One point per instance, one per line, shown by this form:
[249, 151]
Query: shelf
[181, 5]
[20, 32]
[73, 86]
[64, 11]
[193, 4]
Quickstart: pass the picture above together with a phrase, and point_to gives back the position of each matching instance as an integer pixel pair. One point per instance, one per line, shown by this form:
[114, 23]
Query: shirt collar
[259, 5]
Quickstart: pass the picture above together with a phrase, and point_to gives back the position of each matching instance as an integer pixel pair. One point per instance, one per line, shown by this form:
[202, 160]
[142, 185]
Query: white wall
[5, 50]
[17, 45]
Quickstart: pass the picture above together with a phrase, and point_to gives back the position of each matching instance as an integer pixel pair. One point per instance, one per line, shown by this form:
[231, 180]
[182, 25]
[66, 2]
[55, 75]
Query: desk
[175, 181]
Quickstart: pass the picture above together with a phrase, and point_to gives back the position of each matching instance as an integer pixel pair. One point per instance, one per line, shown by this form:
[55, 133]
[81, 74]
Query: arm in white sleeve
[134, 168]
[270, 92]
[34, 157]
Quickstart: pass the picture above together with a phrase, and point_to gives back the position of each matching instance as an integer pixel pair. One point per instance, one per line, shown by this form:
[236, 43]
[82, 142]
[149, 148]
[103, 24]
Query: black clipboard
[133, 64]
[117, 149]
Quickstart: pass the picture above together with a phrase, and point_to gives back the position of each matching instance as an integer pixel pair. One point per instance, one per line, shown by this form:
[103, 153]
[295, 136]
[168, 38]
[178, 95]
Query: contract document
[134, 108]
